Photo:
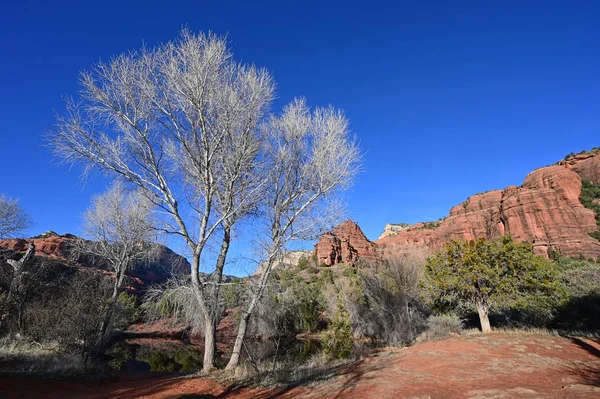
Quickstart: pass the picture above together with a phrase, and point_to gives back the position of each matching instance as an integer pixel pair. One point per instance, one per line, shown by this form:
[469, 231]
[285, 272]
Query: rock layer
[545, 211]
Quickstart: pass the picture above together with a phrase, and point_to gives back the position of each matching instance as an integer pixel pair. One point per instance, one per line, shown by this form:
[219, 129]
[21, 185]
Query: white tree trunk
[484, 319]
[242, 328]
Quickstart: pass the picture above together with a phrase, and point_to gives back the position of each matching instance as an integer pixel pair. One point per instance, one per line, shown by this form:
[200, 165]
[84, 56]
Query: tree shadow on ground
[349, 375]
[592, 346]
[587, 373]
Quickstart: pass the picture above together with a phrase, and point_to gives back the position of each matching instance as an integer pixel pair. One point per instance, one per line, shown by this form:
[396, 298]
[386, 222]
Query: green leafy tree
[489, 274]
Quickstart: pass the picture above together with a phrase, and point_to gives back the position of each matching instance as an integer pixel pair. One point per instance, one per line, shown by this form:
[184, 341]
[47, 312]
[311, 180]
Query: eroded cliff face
[544, 211]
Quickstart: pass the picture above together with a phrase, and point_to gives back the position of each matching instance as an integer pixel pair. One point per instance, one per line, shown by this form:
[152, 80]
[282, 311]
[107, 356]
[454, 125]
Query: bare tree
[310, 158]
[388, 305]
[180, 122]
[13, 219]
[120, 230]
[21, 284]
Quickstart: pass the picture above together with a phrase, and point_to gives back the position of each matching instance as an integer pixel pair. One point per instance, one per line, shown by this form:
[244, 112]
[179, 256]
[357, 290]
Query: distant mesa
[545, 211]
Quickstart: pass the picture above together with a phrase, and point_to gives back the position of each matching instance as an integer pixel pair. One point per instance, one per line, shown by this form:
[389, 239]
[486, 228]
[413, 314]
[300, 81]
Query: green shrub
[349, 271]
[590, 193]
[286, 275]
[291, 306]
[327, 276]
[119, 354]
[127, 311]
[233, 293]
[303, 263]
[581, 281]
[313, 270]
[554, 254]
[565, 263]
[434, 225]
[337, 343]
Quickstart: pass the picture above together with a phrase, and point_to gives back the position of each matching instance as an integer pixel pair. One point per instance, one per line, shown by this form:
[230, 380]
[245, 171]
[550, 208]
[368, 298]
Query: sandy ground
[494, 366]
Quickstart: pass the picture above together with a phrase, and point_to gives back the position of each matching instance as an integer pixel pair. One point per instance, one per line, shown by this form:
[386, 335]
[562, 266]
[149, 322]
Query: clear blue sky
[447, 98]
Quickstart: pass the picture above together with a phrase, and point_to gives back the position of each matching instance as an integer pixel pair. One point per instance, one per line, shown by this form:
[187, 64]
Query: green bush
[119, 354]
[290, 306]
[233, 294]
[590, 193]
[554, 254]
[435, 225]
[127, 311]
[582, 281]
[327, 276]
[349, 271]
[303, 263]
[580, 312]
[337, 343]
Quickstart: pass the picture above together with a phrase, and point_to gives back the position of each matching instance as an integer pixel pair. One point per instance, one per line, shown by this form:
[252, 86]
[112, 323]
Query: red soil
[491, 366]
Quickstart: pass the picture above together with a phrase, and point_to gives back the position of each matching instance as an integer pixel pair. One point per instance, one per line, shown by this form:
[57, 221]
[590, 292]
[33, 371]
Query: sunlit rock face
[346, 244]
[544, 211]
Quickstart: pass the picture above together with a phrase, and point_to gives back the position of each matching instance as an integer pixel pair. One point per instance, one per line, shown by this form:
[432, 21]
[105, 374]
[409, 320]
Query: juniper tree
[489, 274]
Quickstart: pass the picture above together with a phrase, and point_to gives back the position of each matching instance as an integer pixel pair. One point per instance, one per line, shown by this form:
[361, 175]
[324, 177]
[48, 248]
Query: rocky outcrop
[48, 244]
[544, 211]
[585, 164]
[164, 262]
[289, 259]
[391, 229]
[345, 244]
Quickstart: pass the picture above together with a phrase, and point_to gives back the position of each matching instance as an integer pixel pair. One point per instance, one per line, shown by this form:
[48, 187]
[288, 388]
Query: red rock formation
[48, 244]
[345, 244]
[586, 165]
[544, 211]
[55, 246]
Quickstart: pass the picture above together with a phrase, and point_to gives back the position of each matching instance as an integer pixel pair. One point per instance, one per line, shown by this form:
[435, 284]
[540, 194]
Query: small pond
[188, 358]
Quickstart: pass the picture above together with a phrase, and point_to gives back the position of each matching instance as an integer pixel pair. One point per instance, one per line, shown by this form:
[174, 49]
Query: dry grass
[31, 358]
[534, 331]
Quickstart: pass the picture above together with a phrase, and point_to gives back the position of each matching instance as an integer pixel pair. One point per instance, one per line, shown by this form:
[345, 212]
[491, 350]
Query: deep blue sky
[447, 98]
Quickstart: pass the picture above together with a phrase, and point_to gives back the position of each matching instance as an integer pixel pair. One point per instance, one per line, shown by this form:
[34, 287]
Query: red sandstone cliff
[544, 211]
[345, 244]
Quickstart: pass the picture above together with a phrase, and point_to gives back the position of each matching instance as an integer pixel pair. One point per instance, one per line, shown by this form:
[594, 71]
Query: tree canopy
[488, 274]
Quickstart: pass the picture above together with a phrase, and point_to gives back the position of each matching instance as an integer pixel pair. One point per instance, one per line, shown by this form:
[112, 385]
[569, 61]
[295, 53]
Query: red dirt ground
[494, 366]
